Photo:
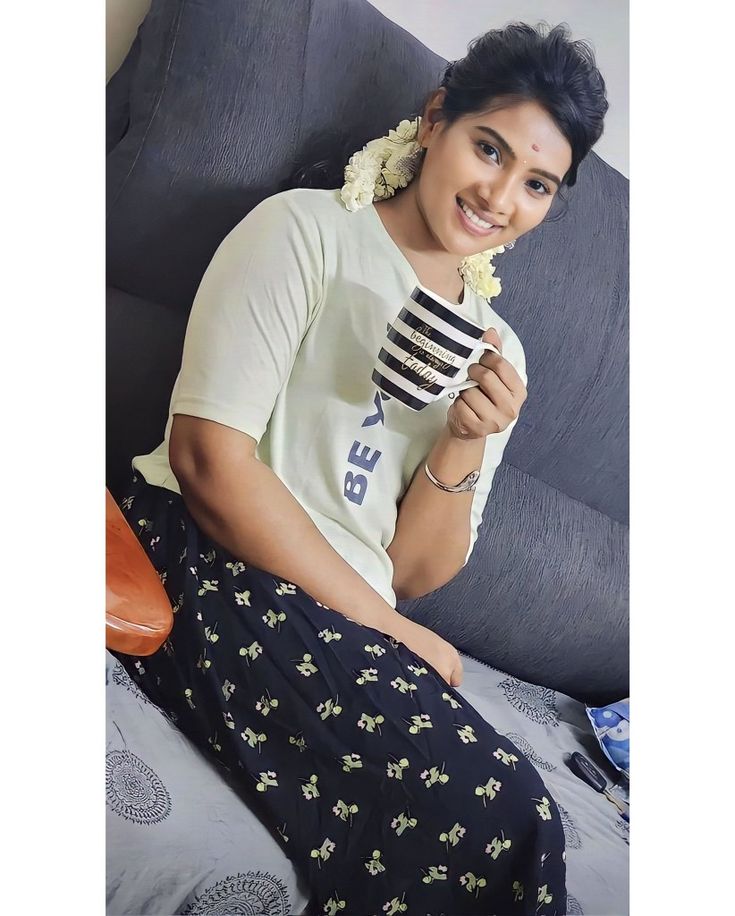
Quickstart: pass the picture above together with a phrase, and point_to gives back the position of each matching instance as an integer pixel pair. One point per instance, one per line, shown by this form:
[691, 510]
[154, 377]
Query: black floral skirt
[384, 787]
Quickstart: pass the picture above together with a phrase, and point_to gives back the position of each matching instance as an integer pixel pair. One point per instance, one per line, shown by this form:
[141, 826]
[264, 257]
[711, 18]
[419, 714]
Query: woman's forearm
[432, 533]
[250, 512]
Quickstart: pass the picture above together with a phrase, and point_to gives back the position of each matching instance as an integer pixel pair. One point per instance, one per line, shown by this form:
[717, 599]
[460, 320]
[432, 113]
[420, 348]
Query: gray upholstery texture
[224, 98]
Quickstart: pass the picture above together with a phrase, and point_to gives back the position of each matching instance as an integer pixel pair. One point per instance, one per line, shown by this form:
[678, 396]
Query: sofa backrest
[224, 96]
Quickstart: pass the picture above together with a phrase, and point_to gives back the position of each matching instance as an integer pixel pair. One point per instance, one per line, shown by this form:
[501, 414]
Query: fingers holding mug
[491, 336]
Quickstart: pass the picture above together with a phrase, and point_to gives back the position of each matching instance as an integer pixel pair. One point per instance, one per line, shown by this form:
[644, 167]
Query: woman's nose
[498, 195]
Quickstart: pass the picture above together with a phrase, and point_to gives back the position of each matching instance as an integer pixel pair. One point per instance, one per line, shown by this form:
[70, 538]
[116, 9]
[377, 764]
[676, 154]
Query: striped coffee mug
[427, 351]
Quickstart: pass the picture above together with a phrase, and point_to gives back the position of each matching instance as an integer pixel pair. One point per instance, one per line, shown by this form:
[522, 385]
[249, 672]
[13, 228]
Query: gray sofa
[212, 109]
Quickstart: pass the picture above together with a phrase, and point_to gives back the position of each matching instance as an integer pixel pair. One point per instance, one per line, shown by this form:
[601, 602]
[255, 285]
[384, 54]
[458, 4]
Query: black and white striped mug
[427, 351]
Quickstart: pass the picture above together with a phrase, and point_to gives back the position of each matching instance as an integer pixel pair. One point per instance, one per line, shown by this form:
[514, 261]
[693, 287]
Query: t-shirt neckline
[393, 246]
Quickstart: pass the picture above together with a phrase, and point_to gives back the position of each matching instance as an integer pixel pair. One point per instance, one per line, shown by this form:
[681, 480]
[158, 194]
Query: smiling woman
[502, 135]
[295, 491]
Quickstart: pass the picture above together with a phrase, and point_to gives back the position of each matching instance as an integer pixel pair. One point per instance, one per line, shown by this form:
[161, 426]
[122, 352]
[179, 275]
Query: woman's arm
[434, 529]
[432, 533]
[243, 505]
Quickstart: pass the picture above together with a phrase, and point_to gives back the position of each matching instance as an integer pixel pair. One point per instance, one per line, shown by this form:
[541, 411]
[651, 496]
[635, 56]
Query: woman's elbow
[200, 448]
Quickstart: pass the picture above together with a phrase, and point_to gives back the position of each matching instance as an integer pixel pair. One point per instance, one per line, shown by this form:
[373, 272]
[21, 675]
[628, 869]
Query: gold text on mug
[423, 344]
[420, 369]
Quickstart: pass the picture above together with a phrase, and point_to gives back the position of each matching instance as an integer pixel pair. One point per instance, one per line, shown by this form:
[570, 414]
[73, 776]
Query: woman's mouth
[472, 223]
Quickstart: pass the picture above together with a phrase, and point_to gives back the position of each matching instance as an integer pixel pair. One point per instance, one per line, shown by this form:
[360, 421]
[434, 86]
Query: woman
[290, 504]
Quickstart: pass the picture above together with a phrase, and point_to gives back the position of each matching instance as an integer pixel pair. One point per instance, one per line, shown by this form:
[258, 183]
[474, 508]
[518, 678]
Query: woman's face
[506, 166]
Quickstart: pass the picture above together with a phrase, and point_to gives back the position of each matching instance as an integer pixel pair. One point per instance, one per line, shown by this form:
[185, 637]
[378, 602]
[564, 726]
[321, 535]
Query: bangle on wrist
[464, 486]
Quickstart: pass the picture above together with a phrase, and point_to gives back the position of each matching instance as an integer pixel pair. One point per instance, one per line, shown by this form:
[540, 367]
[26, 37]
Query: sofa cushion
[117, 100]
[144, 345]
[224, 97]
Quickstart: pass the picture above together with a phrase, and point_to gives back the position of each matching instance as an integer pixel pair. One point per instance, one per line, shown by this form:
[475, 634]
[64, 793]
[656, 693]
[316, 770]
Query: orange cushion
[139, 614]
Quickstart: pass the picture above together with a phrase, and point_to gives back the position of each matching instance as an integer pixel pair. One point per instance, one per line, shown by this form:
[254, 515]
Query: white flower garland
[381, 167]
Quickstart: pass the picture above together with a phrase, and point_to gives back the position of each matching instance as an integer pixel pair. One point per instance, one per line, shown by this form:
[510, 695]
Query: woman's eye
[483, 146]
[541, 186]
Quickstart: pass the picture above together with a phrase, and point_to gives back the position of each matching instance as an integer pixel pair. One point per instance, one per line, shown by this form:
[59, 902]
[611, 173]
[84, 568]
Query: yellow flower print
[419, 722]
[208, 585]
[404, 686]
[472, 883]
[395, 770]
[455, 704]
[543, 808]
[323, 852]
[418, 670]
[299, 741]
[375, 651]
[306, 666]
[436, 873]
[329, 708]
[373, 864]
[351, 762]
[401, 822]
[273, 620]
[366, 675]
[251, 652]
[345, 811]
[453, 836]
[489, 790]
[265, 704]
[394, 905]
[333, 905]
[309, 787]
[267, 779]
[466, 733]
[506, 758]
[433, 774]
[253, 738]
[369, 723]
[497, 845]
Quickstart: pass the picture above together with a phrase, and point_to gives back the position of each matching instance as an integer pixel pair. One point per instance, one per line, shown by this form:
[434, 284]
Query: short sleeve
[495, 444]
[251, 311]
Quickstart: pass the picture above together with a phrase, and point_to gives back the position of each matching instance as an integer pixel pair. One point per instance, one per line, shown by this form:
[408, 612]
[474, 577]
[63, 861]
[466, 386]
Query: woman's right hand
[432, 648]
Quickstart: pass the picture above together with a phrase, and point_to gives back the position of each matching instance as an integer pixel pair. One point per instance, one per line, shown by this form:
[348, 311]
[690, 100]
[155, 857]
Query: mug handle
[470, 382]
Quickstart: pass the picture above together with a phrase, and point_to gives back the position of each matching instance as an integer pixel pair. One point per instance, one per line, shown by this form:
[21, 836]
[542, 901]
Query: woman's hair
[514, 64]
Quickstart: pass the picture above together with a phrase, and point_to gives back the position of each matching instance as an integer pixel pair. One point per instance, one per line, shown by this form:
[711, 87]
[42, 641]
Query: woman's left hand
[492, 405]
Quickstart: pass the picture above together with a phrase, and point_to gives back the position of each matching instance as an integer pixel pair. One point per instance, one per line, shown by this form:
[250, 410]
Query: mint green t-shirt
[281, 342]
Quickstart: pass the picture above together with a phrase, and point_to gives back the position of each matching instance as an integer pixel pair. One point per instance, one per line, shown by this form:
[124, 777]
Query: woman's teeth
[473, 217]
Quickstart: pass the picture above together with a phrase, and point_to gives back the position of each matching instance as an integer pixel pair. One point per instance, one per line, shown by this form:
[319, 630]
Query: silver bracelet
[464, 486]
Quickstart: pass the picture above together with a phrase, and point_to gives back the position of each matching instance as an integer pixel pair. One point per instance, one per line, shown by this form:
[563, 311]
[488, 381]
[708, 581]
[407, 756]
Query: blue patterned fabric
[612, 728]
[314, 716]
